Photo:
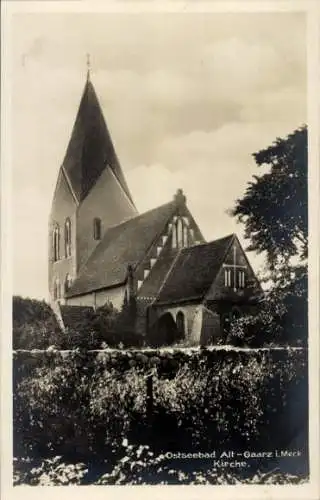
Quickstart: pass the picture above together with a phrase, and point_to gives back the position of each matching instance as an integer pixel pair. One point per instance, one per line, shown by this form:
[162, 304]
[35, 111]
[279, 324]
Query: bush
[34, 325]
[139, 466]
[282, 316]
[49, 472]
[84, 405]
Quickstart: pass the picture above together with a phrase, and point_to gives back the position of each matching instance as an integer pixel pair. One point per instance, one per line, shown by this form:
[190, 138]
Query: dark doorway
[225, 325]
[180, 325]
[164, 331]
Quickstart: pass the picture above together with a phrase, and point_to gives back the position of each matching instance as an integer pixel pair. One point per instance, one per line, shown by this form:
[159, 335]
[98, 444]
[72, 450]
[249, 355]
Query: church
[101, 250]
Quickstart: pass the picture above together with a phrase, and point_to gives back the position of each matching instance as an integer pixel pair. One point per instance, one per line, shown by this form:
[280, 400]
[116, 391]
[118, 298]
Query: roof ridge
[147, 227]
[135, 217]
[209, 242]
[232, 236]
[198, 257]
[168, 274]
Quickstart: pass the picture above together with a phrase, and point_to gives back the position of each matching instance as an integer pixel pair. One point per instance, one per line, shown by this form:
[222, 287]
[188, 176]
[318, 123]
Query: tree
[274, 209]
[34, 325]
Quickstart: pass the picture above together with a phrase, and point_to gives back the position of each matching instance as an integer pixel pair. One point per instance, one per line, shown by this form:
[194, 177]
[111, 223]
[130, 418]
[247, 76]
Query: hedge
[83, 405]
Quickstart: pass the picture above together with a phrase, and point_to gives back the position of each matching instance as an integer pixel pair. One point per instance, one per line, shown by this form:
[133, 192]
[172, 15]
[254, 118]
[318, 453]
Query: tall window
[241, 278]
[185, 236]
[180, 324]
[227, 277]
[97, 228]
[67, 238]
[67, 283]
[56, 243]
[56, 289]
[174, 236]
[180, 234]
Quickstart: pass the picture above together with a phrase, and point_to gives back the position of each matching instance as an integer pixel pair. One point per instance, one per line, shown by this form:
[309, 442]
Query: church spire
[90, 150]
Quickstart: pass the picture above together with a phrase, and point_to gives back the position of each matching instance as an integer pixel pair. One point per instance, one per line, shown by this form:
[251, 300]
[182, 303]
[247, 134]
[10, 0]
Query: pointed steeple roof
[90, 148]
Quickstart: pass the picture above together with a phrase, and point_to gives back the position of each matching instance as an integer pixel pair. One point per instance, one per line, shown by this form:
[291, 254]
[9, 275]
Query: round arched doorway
[165, 331]
[180, 320]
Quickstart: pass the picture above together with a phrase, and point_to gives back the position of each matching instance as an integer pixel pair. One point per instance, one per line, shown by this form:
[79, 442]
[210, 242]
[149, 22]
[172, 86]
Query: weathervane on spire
[88, 66]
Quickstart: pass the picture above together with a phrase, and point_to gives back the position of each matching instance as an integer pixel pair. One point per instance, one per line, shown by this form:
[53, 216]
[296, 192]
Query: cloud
[187, 99]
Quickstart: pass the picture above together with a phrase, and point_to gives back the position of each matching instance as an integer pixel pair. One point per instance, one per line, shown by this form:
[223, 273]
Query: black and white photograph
[160, 247]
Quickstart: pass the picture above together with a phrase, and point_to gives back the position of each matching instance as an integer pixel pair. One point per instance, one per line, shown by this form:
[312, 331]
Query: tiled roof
[194, 271]
[154, 281]
[90, 148]
[73, 316]
[121, 245]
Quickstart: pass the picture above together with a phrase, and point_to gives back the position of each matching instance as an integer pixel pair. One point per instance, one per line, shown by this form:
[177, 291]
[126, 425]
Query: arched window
[180, 324]
[67, 238]
[56, 289]
[180, 233]
[185, 236]
[174, 236]
[227, 277]
[97, 228]
[67, 283]
[56, 243]
[241, 277]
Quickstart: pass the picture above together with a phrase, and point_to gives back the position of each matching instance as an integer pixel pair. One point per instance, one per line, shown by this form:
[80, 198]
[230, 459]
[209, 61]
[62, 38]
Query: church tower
[91, 195]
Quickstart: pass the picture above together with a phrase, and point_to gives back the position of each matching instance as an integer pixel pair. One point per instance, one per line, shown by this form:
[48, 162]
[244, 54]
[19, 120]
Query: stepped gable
[194, 271]
[72, 316]
[90, 148]
[126, 243]
[152, 284]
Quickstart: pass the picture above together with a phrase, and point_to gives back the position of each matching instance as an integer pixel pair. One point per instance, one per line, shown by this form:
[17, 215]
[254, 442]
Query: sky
[187, 99]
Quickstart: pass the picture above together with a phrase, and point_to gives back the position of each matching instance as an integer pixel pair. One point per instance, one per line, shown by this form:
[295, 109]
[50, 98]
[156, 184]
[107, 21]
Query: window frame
[56, 243]
[67, 238]
[97, 229]
[227, 278]
[67, 283]
[241, 279]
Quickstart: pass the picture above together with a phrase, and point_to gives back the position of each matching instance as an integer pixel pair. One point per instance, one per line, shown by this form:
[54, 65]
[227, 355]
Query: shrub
[105, 326]
[83, 404]
[282, 316]
[138, 465]
[34, 325]
[49, 472]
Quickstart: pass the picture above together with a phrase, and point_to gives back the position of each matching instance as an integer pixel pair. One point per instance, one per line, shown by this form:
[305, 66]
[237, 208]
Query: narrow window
[67, 238]
[97, 228]
[174, 236]
[56, 243]
[180, 324]
[56, 289]
[227, 277]
[180, 233]
[241, 279]
[67, 283]
[185, 236]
